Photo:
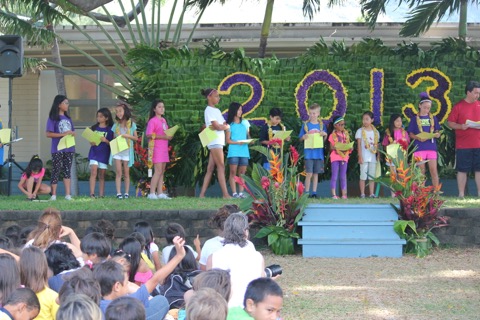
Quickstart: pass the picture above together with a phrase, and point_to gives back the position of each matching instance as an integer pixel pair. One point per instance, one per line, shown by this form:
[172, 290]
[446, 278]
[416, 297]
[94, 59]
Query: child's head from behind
[217, 279]
[218, 219]
[113, 279]
[79, 283]
[22, 303]
[207, 304]
[48, 228]
[9, 277]
[173, 230]
[95, 247]
[367, 118]
[276, 116]
[33, 269]
[314, 111]
[187, 264]
[79, 307]
[125, 308]
[105, 116]
[263, 299]
[60, 258]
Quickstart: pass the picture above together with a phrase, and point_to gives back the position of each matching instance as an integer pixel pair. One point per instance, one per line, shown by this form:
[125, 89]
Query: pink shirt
[36, 176]
[334, 156]
[397, 136]
[160, 151]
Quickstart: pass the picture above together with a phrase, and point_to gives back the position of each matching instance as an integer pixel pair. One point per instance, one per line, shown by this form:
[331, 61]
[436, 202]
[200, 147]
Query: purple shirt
[430, 144]
[63, 125]
[101, 153]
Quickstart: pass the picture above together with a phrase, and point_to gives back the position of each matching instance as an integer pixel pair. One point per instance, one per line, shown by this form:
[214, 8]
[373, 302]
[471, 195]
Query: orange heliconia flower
[276, 167]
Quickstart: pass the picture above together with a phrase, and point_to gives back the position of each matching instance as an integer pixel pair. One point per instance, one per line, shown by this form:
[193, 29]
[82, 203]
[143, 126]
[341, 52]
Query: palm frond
[310, 7]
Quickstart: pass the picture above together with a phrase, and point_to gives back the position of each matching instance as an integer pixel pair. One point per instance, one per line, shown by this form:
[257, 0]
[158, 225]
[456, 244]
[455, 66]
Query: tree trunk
[267, 21]
[462, 23]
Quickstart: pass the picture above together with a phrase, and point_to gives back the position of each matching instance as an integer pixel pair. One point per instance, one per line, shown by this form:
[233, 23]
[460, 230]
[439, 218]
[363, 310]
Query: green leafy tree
[423, 13]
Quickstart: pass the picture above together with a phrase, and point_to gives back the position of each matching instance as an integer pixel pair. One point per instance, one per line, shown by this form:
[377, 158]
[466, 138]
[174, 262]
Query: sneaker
[335, 197]
[152, 196]
[373, 196]
[125, 196]
[163, 196]
[68, 197]
[344, 197]
[313, 196]
[119, 196]
[362, 196]
[93, 196]
[235, 195]
[241, 195]
[53, 198]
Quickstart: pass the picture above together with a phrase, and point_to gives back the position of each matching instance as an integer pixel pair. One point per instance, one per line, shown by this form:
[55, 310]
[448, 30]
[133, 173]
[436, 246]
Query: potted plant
[419, 205]
[277, 199]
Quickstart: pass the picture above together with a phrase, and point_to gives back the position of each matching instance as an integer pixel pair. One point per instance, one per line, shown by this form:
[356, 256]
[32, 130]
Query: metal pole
[10, 82]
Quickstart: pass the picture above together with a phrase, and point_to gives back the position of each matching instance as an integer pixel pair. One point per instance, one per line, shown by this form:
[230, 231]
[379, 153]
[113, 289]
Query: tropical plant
[277, 199]
[419, 204]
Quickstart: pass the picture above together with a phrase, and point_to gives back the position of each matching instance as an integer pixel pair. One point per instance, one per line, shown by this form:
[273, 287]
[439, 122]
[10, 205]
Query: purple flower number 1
[256, 95]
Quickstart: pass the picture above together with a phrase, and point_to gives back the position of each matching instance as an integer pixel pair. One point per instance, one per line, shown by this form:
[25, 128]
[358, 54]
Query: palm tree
[422, 15]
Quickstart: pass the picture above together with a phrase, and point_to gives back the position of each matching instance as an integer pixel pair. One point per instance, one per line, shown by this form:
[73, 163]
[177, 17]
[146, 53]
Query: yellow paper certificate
[343, 146]
[473, 124]
[282, 134]
[118, 145]
[426, 135]
[207, 136]
[91, 136]
[313, 141]
[66, 142]
[246, 141]
[5, 135]
[171, 131]
[392, 150]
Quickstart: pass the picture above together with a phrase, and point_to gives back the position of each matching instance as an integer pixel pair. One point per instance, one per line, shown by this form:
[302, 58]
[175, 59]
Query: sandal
[335, 197]
[344, 197]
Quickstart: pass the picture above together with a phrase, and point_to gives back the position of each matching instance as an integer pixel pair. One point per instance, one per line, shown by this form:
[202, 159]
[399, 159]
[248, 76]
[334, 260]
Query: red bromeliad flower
[300, 188]
[403, 143]
[265, 182]
[275, 142]
[294, 156]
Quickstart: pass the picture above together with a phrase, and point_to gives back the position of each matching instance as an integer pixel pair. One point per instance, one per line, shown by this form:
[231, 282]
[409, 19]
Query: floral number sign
[376, 94]
[256, 95]
[438, 92]
[334, 84]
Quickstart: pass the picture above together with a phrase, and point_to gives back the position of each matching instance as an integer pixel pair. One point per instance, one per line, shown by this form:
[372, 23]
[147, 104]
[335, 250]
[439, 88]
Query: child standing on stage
[425, 121]
[100, 154]
[367, 145]
[314, 158]
[126, 128]
[268, 131]
[338, 158]
[214, 119]
[60, 125]
[31, 180]
[156, 131]
[238, 153]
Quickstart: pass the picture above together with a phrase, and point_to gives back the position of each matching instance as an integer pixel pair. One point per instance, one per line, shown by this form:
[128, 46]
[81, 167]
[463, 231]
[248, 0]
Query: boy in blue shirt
[314, 158]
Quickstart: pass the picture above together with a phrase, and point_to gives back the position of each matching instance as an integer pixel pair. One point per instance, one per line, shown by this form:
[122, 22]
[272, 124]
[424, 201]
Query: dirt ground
[443, 285]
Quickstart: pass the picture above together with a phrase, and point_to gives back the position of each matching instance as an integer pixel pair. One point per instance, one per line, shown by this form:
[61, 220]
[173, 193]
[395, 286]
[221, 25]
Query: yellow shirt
[48, 305]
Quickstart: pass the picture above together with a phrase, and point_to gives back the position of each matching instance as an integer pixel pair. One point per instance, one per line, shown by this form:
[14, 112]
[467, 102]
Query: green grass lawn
[180, 203]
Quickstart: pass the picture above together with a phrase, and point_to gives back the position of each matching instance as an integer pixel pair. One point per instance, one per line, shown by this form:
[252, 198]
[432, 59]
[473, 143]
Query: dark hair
[35, 164]
[108, 229]
[96, 243]
[145, 229]
[79, 285]
[259, 288]
[218, 219]
[153, 106]
[234, 229]
[127, 113]
[13, 233]
[24, 233]
[23, 295]
[55, 109]
[125, 308]
[207, 92]
[5, 243]
[133, 247]
[232, 112]
[217, 279]
[369, 113]
[107, 114]
[92, 229]
[331, 125]
[391, 123]
[107, 274]
[187, 265]
[471, 85]
[173, 230]
[9, 277]
[140, 238]
[33, 269]
[276, 112]
[61, 258]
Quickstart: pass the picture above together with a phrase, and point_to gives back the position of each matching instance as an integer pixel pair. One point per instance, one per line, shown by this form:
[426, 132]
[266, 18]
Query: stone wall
[464, 228]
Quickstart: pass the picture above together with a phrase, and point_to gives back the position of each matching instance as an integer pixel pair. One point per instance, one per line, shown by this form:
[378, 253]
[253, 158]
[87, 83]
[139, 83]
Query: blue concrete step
[350, 230]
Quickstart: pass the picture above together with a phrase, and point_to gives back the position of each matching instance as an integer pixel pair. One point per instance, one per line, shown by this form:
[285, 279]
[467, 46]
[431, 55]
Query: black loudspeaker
[11, 56]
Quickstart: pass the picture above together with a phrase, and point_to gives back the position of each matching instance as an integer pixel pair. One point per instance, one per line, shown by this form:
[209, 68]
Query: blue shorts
[467, 160]
[239, 161]
[313, 166]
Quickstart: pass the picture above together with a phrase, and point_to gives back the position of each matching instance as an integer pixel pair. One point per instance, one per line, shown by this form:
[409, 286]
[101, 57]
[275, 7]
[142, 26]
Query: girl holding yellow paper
[60, 125]
[424, 129]
[125, 127]
[156, 131]
[338, 158]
